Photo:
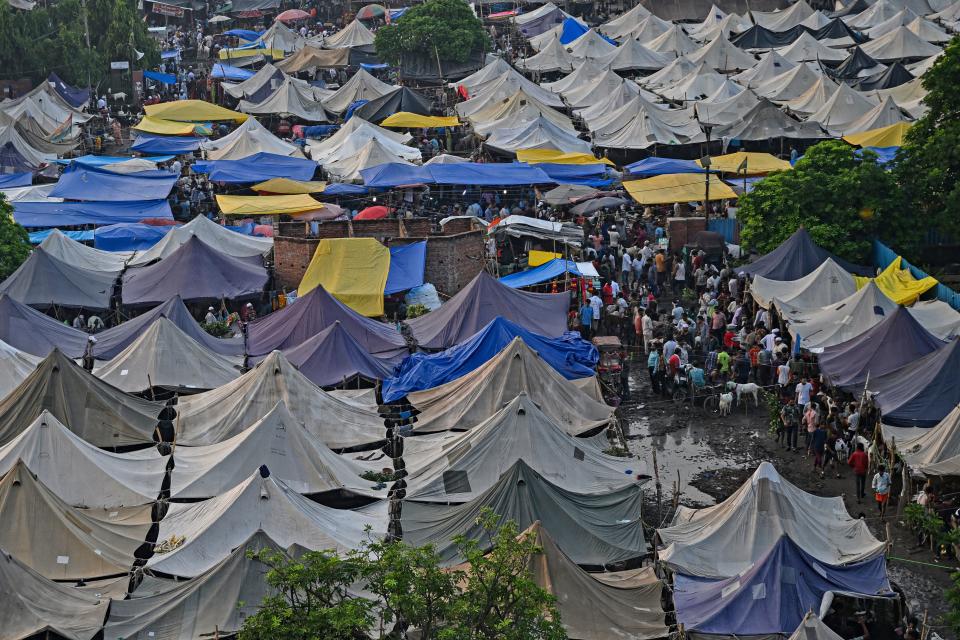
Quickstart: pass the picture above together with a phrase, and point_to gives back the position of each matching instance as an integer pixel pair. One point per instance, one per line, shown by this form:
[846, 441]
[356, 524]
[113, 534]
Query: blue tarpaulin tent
[226, 72]
[395, 174]
[256, 168]
[91, 160]
[572, 356]
[663, 166]
[169, 55]
[10, 180]
[75, 97]
[173, 145]
[774, 594]
[64, 214]
[543, 273]
[406, 267]
[36, 237]
[131, 236]
[464, 173]
[245, 34]
[164, 78]
[591, 175]
[98, 185]
[344, 189]
[573, 29]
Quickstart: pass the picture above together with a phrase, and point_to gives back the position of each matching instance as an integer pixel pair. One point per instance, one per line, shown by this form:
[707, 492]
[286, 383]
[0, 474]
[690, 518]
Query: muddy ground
[712, 456]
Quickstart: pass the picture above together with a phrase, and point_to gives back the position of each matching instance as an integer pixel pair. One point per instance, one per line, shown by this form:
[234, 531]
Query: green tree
[14, 241]
[842, 200]
[444, 29]
[953, 600]
[928, 165]
[492, 596]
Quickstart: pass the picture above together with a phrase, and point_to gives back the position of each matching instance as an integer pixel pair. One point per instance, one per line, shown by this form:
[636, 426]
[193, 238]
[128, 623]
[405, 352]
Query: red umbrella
[373, 213]
[372, 11]
[292, 15]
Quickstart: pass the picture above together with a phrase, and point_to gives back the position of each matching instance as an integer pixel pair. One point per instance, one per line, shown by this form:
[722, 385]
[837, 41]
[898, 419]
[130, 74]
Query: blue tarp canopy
[921, 393]
[90, 160]
[885, 155]
[10, 180]
[128, 236]
[396, 14]
[662, 166]
[36, 237]
[344, 189]
[156, 76]
[797, 256]
[256, 168]
[65, 214]
[169, 55]
[774, 594]
[172, 145]
[573, 29]
[591, 175]
[75, 97]
[543, 273]
[406, 267]
[98, 185]
[226, 72]
[245, 34]
[394, 174]
[572, 356]
[373, 66]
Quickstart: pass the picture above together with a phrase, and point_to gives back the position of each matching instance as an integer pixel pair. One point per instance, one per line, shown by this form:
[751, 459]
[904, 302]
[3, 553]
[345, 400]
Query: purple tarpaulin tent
[36, 333]
[797, 256]
[921, 393]
[332, 357]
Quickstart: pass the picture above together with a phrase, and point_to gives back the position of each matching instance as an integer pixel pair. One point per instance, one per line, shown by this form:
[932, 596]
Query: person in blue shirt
[697, 378]
[586, 319]
[653, 366]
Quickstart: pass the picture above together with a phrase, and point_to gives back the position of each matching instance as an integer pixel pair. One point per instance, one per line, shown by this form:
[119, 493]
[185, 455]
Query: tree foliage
[446, 29]
[34, 43]
[842, 200]
[493, 595]
[928, 165]
[14, 241]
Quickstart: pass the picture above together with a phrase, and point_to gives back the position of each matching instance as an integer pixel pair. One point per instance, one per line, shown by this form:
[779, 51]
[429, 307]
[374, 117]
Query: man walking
[790, 418]
[881, 489]
[859, 462]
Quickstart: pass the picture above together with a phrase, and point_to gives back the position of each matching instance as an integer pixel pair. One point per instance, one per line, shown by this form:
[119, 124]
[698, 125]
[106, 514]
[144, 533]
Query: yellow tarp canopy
[286, 186]
[889, 136]
[536, 258]
[193, 111]
[415, 120]
[677, 187]
[165, 127]
[353, 270]
[233, 54]
[266, 205]
[536, 156]
[898, 284]
[756, 163]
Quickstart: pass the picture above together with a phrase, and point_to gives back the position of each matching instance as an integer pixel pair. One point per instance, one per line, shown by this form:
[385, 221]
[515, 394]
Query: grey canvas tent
[477, 304]
[36, 333]
[840, 321]
[723, 540]
[80, 255]
[796, 256]
[231, 243]
[825, 285]
[81, 474]
[15, 366]
[937, 317]
[279, 441]
[593, 530]
[932, 452]
[214, 416]
[164, 356]
[212, 529]
[32, 606]
[97, 412]
[224, 277]
[459, 467]
[402, 99]
[58, 541]
[45, 281]
[110, 342]
[311, 314]
[469, 400]
[217, 601]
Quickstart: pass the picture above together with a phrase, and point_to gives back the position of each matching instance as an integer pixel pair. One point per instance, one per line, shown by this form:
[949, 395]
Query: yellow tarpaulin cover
[889, 136]
[353, 270]
[233, 54]
[898, 284]
[407, 119]
[165, 127]
[756, 163]
[286, 186]
[193, 111]
[536, 258]
[677, 187]
[536, 156]
[266, 205]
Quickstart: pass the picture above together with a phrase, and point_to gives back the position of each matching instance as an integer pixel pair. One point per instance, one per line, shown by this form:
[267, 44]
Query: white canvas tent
[788, 85]
[467, 401]
[844, 107]
[783, 20]
[815, 97]
[214, 416]
[937, 317]
[538, 134]
[15, 366]
[934, 451]
[354, 34]
[646, 30]
[674, 41]
[771, 65]
[726, 539]
[721, 55]
[212, 529]
[516, 110]
[362, 86]
[80, 255]
[164, 356]
[249, 138]
[374, 152]
[553, 57]
[590, 46]
[881, 115]
[826, 284]
[519, 431]
[620, 26]
[899, 44]
[840, 321]
[633, 56]
[288, 100]
[806, 48]
[351, 137]
[212, 234]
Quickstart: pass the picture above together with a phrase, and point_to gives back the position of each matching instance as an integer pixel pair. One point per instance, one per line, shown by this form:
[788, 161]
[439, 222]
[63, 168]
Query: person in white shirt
[210, 318]
[646, 325]
[626, 269]
[768, 341]
[733, 286]
[597, 305]
[615, 287]
[783, 374]
[803, 392]
[614, 238]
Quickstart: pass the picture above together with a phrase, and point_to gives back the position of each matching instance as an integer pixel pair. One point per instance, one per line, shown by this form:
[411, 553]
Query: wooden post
[656, 475]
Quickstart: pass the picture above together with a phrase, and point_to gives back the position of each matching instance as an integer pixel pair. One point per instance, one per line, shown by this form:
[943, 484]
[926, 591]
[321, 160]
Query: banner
[167, 10]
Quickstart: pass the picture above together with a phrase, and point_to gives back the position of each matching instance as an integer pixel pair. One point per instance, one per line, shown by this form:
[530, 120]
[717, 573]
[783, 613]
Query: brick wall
[452, 260]
[680, 230]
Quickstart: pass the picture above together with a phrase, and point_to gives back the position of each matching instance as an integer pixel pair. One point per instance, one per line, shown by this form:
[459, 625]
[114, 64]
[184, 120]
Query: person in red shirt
[859, 461]
[607, 293]
[674, 362]
[728, 338]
